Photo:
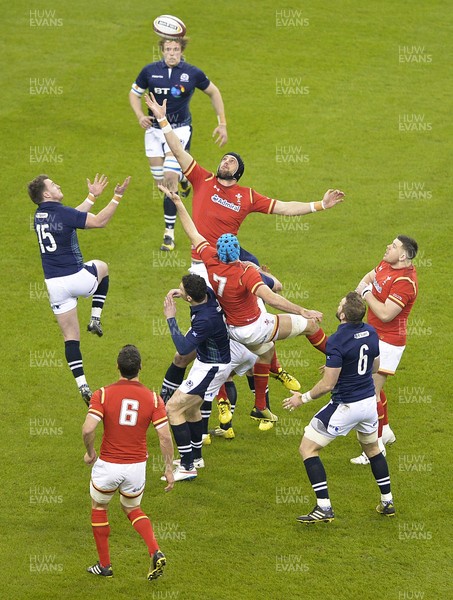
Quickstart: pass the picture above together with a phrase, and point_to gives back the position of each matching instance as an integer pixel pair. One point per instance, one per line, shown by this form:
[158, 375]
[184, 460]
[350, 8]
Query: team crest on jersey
[380, 286]
[184, 77]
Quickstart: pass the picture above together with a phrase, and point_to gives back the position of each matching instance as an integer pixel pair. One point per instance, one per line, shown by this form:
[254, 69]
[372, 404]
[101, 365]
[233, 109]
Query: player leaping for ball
[219, 206]
[238, 288]
[66, 275]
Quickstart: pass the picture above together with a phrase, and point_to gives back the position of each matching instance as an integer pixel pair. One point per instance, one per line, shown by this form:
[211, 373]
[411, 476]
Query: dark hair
[129, 361]
[195, 287]
[410, 246]
[181, 41]
[354, 308]
[36, 188]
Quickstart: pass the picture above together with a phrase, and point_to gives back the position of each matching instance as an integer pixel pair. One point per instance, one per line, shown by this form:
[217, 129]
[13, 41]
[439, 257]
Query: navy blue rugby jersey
[175, 84]
[353, 348]
[55, 226]
[208, 331]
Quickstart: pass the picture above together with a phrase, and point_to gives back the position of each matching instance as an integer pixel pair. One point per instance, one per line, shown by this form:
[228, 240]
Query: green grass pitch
[318, 94]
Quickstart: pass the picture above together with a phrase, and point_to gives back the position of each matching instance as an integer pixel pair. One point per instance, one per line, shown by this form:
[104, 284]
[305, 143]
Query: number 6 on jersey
[129, 412]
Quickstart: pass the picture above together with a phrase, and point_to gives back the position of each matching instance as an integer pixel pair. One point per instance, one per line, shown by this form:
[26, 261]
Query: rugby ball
[169, 26]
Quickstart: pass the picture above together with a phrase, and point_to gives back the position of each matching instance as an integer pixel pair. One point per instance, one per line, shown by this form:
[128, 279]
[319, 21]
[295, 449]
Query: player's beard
[337, 314]
[223, 174]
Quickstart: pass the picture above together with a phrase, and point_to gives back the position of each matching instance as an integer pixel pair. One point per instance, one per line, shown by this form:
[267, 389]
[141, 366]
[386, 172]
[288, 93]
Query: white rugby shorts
[205, 379]
[261, 331]
[335, 419]
[242, 360]
[199, 268]
[63, 291]
[390, 357]
[155, 144]
[107, 477]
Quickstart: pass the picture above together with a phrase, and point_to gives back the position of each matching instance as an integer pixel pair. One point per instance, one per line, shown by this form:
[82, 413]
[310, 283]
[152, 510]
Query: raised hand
[221, 132]
[121, 188]
[313, 314]
[169, 306]
[159, 111]
[332, 197]
[293, 402]
[98, 186]
[172, 195]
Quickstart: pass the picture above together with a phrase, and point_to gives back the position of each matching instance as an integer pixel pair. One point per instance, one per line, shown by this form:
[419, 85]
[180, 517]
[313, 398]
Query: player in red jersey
[390, 290]
[219, 206]
[238, 288]
[219, 203]
[127, 408]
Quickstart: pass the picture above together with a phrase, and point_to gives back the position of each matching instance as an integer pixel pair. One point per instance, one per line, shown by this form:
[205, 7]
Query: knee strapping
[298, 325]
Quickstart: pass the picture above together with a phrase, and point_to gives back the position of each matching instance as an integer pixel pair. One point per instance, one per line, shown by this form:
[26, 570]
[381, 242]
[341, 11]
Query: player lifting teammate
[219, 206]
[237, 288]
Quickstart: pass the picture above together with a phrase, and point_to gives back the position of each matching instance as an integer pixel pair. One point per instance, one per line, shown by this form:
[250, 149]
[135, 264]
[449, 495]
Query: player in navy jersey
[352, 356]
[66, 275]
[176, 81]
[207, 336]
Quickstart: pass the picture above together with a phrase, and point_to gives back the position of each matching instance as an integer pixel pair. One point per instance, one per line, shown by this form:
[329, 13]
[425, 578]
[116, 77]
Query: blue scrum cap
[228, 248]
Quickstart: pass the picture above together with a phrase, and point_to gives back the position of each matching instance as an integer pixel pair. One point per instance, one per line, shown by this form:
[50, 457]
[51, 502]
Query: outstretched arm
[281, 303]
[216, 99]
[186, 220]
[294, 209]
[324, 386]
[183, 157]
[104, 216]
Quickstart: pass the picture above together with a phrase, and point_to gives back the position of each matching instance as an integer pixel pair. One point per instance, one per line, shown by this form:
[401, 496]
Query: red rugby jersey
[127, 409]
[399, 286]
[217, 209]
[234, 285]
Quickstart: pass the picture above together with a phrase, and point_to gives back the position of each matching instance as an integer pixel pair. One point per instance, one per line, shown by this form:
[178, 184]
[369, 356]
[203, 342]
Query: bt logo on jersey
[163, 91]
